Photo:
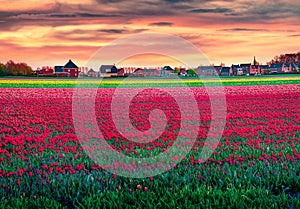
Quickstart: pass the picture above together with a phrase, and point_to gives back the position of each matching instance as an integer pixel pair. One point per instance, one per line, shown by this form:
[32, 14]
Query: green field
[255, 164]
[14, 82]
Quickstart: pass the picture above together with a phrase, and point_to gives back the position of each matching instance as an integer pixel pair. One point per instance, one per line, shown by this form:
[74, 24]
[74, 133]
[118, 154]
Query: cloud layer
[230, 30]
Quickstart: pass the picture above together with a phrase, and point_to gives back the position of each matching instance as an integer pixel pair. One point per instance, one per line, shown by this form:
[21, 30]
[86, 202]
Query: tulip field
[256, 163]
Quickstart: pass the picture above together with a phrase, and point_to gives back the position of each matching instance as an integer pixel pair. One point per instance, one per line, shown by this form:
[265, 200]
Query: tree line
[286, 58]
[12, 68]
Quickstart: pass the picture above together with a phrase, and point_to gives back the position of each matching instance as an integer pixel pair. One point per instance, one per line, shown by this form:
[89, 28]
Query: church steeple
[254, 61]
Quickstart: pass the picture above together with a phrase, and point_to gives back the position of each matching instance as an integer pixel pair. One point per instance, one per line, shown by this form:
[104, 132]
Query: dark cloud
[264, 12]
[294, 35]
[233, 14]
[117, 31]
[145, 8]
[109, 1]
[243, 29]
[97, 15]
[87, 15]
[177, 1]
[271, 10]
[4, 15]
[106, 35]
[278, 8]
[215, 10]
[56, 15]
[62, 15]
[161, 24]
[143, 1]
[122, 31]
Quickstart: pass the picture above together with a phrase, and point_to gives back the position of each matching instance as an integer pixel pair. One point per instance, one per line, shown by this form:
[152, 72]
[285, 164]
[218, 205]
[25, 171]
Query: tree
[11, 68]
[2, 69]
[20, 69]
[286, 58]
[191, 72]
[177, 70]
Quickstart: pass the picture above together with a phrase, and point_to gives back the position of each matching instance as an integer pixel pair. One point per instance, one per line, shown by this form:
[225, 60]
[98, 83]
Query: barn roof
[59, 69]
[206, 68]
[225, 69]
[70, 64]
[264, 67]
[276, 65]
[245, 65]
[104, 68]
[167, 68]
[91, 71]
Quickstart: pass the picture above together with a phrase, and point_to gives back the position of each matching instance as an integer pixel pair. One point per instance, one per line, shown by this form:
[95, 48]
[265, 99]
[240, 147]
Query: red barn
[92, 73]
[46, 71]
[255, 69]
[121, 72]
[146, 72]
[71, 69]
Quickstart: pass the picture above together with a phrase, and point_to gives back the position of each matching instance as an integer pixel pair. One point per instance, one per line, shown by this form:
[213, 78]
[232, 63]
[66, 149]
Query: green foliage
[115, 82]
[286, 58]
[30, 202]
[177, 70]
[2, 70]
[191, 72]
[15, 69]
[218, 185]
[249, 183]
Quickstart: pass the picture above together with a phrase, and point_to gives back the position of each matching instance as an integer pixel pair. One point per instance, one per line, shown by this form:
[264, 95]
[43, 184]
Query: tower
[254, 61]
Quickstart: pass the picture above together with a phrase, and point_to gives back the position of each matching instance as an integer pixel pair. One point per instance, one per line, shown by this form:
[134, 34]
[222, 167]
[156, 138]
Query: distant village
[70, 69]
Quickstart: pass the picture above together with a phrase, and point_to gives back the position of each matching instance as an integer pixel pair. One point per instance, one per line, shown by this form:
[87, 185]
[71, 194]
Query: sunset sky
[48, 33]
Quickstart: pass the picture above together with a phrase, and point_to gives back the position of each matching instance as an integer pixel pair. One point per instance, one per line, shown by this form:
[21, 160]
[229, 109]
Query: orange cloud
[47, 33]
